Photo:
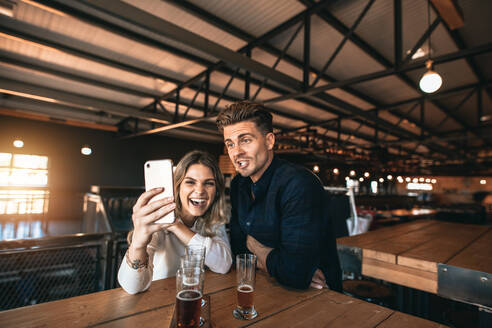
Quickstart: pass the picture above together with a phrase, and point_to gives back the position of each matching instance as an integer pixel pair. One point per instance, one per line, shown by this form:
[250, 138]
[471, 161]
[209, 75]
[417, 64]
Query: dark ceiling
[337, 75]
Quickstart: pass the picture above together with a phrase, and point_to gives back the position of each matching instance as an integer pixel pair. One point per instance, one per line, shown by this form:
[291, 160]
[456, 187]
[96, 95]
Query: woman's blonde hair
[216, 214]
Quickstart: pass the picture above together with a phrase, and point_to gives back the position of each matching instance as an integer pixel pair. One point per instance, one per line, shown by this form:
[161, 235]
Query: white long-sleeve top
[165, 250]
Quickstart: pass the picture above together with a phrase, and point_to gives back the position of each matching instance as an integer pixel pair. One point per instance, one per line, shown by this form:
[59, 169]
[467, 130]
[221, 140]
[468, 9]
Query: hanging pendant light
[431, 81]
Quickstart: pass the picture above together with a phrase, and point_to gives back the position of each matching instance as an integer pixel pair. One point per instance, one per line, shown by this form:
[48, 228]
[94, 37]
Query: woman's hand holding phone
[145, 213]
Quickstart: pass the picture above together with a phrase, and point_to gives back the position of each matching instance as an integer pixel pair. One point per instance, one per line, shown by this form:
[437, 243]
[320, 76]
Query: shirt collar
[261, 186]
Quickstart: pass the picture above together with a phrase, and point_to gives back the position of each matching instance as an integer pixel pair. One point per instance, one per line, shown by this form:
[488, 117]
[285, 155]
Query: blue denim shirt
[287, 214]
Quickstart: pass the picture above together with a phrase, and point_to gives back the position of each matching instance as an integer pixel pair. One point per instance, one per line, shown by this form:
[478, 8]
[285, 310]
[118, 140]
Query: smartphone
[158, 174]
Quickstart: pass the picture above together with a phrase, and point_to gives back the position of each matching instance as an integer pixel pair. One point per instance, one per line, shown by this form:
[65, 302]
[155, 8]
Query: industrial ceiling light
[389, 177]
[431, 81]
[86, 150]
[366, 174]
[352, 173]
[18, 143]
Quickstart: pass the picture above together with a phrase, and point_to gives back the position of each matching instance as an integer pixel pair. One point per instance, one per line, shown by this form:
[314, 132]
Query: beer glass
[189, 291]
[246, 276]
[195, 254]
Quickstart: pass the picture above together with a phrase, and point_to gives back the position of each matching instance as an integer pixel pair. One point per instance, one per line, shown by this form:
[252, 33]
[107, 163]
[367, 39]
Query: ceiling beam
[239, 33]
[56, 41]
[90, 103]
[35, 64]
[387, 72]
[335, 23]
[50, 119]
[323, 97]
[450, 13]
[139, 69]
[46, 37]
[242, 34]
[126, 16]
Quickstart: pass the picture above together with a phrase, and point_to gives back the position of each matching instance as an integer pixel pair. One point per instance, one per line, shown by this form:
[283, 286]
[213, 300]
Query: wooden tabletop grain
[277, 306]
[409, 254]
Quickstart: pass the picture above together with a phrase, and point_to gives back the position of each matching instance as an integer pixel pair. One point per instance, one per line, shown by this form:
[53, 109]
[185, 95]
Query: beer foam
[195, 293]
[190, 281]
[245, 288]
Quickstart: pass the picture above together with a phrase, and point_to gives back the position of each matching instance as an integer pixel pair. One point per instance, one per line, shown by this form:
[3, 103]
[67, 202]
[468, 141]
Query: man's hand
[261, 251]
[319, 280]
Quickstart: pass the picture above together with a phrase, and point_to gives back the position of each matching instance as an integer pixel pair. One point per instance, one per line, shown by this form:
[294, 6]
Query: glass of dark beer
[194, 260]
[189, 291]
[246, 277]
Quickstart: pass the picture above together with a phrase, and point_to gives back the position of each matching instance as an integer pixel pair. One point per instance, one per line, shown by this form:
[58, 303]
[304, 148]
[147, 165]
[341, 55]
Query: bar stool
[369, 291]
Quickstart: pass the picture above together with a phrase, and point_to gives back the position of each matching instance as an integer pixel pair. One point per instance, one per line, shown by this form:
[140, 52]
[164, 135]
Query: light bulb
[336, 171]
[18, 143]
[316, 168]
[352, 173]
[86, 150]
[431, 81]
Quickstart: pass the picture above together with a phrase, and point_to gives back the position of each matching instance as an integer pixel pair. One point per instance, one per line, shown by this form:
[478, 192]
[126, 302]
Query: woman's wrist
[181, 231]
[137, 264]
[137, 253]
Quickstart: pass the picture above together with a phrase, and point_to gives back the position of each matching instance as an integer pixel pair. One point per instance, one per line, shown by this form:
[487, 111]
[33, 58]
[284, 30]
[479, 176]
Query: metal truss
[110, 16]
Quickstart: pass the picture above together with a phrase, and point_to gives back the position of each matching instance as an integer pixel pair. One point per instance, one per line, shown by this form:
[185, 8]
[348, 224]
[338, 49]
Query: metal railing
[46, 269]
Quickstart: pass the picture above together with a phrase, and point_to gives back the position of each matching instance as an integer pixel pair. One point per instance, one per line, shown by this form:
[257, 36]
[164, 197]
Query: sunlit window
[23, 184]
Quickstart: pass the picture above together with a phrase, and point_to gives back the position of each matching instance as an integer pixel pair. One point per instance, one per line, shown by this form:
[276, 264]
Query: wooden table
[448, 259]
[276, 305]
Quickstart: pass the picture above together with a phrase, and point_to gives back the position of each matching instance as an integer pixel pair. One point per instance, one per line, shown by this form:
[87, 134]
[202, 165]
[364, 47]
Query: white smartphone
[159, 174]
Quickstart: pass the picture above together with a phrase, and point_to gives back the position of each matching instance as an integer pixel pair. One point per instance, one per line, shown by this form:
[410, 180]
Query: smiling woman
[201, 217]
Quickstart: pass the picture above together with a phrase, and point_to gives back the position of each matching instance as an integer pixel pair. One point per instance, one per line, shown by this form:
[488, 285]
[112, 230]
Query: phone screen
[159, 173]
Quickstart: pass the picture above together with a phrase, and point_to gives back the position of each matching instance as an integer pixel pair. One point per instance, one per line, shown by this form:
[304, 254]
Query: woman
[155, 249]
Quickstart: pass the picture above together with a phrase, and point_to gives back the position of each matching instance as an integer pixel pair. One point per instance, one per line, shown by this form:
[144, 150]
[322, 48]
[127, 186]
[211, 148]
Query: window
[23, 184]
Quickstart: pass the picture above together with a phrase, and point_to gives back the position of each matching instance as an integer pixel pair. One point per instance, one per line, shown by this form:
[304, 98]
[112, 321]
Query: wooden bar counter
[277, 307]
[448, 259]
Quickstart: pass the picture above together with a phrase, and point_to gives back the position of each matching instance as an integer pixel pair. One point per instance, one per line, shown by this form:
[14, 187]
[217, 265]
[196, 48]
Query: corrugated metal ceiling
[111, 57]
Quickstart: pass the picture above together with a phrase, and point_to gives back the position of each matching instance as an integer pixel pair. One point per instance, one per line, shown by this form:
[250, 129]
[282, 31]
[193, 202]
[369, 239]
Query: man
[278, 210]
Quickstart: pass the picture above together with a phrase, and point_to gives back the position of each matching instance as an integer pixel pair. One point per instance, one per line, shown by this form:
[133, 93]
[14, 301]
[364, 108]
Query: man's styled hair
[245, 111]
